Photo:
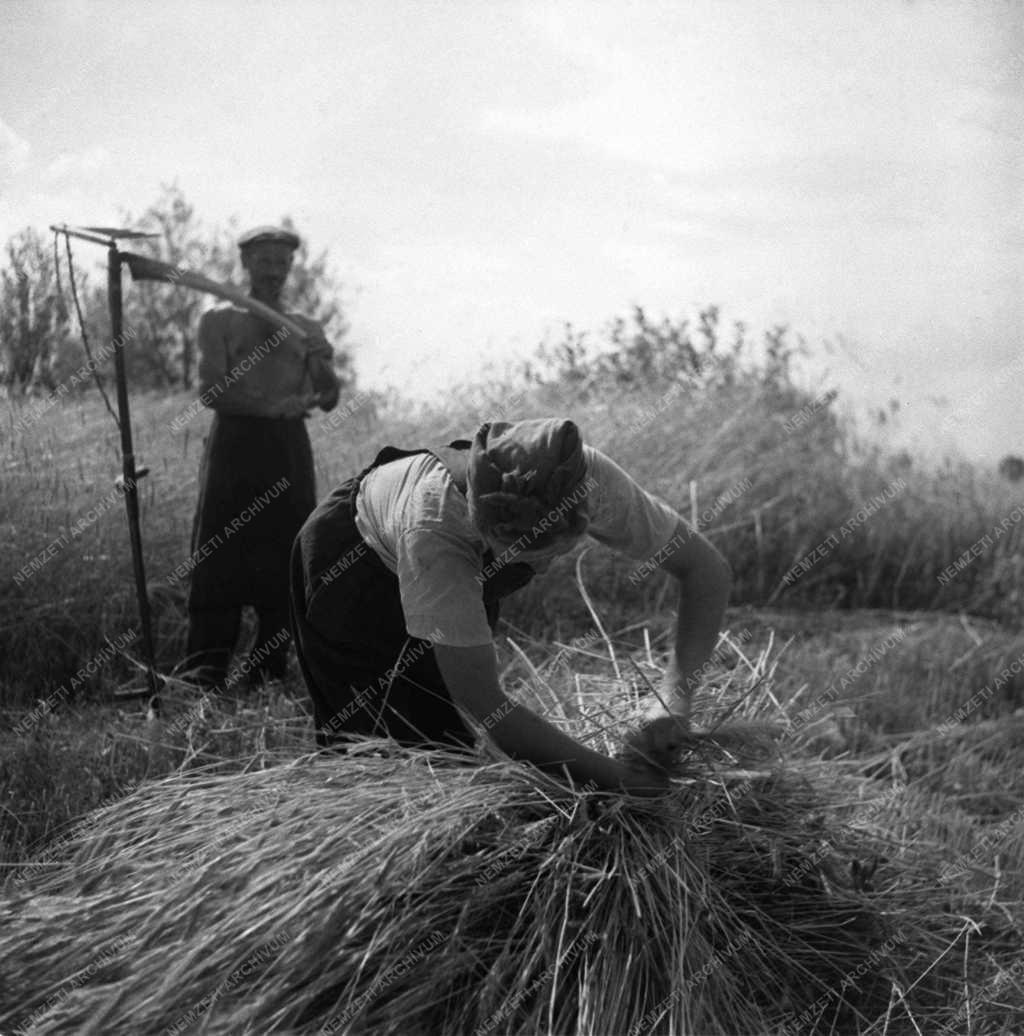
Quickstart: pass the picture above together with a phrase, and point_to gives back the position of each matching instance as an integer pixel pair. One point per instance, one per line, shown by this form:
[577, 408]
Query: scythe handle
[130, 474]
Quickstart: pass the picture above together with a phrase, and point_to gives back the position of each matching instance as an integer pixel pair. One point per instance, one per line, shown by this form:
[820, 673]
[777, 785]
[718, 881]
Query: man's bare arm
[324, 378]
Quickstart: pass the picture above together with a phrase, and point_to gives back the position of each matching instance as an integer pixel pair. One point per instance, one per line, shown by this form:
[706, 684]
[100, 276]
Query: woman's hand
[659, 741]
[471, 676]
[638, 778]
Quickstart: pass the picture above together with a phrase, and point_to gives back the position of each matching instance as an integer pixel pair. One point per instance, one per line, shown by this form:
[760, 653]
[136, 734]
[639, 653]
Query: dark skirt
[364, 673]
[257, 485]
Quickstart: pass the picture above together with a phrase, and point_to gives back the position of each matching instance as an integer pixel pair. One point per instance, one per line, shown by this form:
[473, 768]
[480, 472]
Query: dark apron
[257, 485]
[364, 672]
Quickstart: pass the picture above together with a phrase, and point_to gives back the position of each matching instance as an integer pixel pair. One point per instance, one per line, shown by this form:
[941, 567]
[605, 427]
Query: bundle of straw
[391, 891]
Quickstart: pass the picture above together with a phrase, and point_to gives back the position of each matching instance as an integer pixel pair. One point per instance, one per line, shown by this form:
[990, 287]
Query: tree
[167, 318]
[639, 352]
[34, 325]
[40, 342]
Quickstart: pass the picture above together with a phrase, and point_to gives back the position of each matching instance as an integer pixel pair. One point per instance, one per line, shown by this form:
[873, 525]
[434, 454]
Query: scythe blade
[119, 233]
[143, 268]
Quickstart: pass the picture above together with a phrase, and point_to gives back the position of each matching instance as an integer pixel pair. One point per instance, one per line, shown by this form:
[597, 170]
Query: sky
[482, 173]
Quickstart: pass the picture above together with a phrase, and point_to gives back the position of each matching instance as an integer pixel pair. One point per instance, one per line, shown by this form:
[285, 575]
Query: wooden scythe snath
[130, 475]
[144, 268]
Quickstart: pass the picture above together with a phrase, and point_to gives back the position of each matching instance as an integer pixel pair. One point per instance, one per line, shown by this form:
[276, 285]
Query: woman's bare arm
[704, 582]
[471, 675]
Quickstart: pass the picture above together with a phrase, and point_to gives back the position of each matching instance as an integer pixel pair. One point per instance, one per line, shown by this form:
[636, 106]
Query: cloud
[14, 151]
[70, 164]
[710, 89]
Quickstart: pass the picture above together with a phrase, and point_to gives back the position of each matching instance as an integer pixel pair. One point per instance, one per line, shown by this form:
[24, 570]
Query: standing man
[257, 482]
[397, 575]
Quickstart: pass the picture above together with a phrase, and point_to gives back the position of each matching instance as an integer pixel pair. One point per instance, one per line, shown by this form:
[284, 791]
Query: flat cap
[269, 235]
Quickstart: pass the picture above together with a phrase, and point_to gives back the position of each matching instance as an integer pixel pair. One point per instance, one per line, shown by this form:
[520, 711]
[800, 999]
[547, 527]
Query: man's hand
[328, 398]
[320, 363]
[298, 405]
[316, 341]
[320, 348]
